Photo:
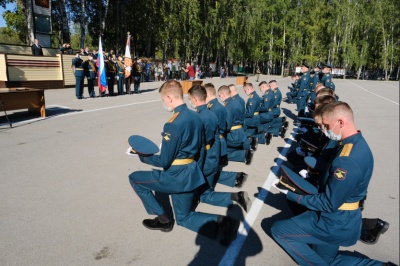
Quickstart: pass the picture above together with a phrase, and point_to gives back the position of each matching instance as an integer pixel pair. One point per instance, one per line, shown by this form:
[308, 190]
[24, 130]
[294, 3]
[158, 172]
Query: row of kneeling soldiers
[325, 182]
[197, 145]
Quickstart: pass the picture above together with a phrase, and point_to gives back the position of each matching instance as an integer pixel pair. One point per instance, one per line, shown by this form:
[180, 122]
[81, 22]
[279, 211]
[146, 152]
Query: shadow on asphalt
[289, 114]
[211, 251]
[20, 118]
[208, 238]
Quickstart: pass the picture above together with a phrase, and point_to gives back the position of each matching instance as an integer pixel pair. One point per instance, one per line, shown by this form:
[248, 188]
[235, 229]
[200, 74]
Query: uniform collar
[213, 101]
[180, 108]
[351, 139]
[201, 108]
[228, 100]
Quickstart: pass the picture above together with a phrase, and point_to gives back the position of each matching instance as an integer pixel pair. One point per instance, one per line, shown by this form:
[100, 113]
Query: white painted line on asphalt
[373, 93]
[108, 108]
[74, 113]
[390, 84]
[234, 248]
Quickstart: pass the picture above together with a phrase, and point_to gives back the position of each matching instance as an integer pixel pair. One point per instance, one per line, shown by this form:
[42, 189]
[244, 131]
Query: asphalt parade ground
[65, 198]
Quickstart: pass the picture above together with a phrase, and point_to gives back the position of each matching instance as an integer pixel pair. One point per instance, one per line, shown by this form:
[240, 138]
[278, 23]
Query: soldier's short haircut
[173, 87]
[210, 89]
[272, 81]
[324, 99]
[262, 83]
[318, 110]
[319, 84]
[248, 84]
[224, 89]
[325, 91]
[338, 109]
[199, 92]
[232, 87]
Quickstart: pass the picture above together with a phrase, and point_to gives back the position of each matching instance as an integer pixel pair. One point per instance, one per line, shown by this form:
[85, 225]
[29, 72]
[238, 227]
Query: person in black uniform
[120, 75]
[136, 74]
[77, 68]
[36, 48]
[110, 72]
[90, 71]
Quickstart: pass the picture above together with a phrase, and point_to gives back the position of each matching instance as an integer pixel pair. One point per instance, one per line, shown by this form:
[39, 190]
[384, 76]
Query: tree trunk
[359, 72]
[149, 37]
[103, 19]
[29, 22]
[271, 44]
[283, 49]
[83, 24]
[64, 20]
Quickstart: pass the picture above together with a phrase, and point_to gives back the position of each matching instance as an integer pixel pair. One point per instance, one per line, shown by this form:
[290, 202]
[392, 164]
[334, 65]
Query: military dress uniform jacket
[345, 181]
[182, 145]
[236, 135]
[120, 69]
[304, 85]
[276, 108]
[316, 80]
[137, 69]
[327, 149]
[252, 111]
[111, 69]
[327, 81]
[212, 147]
[296, 86]
[240, 100]
[219, 110]
[90, 69]
[77, 63]
[266, 105]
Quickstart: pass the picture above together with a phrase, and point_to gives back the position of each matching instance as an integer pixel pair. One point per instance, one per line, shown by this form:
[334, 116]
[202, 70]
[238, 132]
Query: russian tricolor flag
[101, 78]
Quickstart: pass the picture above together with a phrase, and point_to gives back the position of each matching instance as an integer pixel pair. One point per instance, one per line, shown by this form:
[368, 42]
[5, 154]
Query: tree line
[273, 34]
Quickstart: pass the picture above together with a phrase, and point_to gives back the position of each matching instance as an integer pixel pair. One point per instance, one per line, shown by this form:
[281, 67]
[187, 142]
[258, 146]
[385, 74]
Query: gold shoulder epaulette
[346, 149]
[173, 117]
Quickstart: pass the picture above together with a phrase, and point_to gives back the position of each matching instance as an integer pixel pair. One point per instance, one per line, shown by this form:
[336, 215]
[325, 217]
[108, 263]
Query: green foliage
[75, 40]
[9, 39]
[353, 34]
[16, 26]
